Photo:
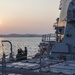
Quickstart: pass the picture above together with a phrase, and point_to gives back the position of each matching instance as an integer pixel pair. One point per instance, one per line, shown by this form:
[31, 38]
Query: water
[30, 42]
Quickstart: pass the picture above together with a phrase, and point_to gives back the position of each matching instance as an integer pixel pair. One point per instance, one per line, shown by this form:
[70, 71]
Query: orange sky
[28, 16]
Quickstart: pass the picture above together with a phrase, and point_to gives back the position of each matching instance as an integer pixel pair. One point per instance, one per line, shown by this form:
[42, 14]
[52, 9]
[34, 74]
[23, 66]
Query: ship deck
[29, 67]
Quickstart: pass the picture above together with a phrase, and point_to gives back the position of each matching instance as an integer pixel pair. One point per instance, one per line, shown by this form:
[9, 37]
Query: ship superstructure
[65, 49]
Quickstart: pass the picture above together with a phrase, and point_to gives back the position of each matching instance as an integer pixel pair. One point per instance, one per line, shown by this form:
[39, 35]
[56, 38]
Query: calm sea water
[30, 42]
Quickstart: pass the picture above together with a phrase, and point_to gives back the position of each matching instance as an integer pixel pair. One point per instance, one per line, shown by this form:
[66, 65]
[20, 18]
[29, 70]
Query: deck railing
[48, 37]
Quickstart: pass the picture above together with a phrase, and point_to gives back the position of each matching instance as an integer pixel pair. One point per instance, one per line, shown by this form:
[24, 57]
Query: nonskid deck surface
[32, 67]
[67, 67]
[29, 67]
[48, 67]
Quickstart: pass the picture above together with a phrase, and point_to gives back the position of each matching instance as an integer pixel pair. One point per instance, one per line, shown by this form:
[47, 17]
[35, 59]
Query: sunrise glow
[28, 16]
[0, 22]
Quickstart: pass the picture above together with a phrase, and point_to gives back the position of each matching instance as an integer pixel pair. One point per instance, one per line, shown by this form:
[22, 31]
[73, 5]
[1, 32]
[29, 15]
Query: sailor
[44, 51]
[25, 53]
[19, 54]
[21, 51]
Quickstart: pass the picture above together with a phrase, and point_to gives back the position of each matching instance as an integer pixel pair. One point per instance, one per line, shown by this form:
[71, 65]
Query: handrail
[11, 58]
[47, 37]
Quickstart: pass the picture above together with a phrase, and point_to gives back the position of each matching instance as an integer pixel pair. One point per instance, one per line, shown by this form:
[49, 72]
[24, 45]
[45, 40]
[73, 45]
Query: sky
[28, 16]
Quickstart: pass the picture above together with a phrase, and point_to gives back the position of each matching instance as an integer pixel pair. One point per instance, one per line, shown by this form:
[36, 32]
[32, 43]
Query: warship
[57, 51]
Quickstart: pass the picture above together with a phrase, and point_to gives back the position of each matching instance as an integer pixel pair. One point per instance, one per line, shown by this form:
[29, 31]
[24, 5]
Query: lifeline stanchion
[3, 64]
